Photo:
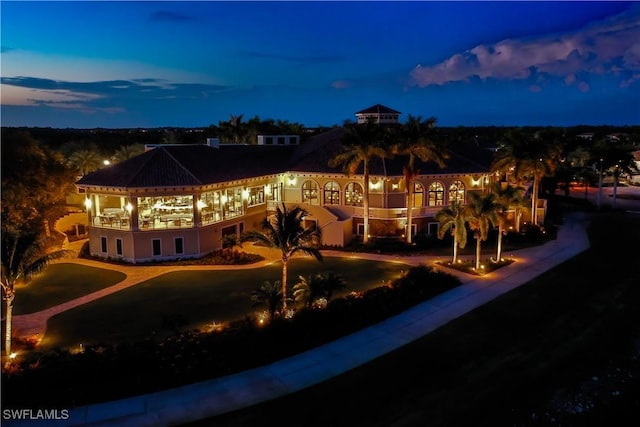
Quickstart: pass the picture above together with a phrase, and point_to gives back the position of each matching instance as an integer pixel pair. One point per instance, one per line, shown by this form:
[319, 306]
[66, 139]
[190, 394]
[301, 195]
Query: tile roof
[379, 109]
[191, 165]
[198, 165]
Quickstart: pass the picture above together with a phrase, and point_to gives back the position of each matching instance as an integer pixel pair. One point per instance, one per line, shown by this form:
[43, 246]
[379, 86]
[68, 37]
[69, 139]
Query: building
[179, 201]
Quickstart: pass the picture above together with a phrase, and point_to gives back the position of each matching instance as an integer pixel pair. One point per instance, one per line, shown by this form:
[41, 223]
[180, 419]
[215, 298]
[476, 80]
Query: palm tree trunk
[499, 252]
[409, 204]
[7, 330]
[284, 286]
[455, 249]
[478, 245]
[534, 201]
[365, 202]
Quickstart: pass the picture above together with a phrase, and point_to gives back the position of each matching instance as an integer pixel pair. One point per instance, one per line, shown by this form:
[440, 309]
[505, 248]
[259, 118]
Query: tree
[269, 294]
[480, 213]
[315, 286]
[23, 256]
[86, 161]
[127, 152]
[528, 156]
[235, 130]
[360, 144]
[614, 157]
[412, 140]
[453, 219]
[286, 233]
[506, 197]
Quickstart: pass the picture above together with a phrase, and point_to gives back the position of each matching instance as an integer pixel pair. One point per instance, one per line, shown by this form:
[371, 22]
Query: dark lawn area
[193, 299]
[570, 337]
[62, 282]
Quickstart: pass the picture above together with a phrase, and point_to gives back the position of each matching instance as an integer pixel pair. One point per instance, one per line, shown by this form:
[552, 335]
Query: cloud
[611, 46]
[341, 84]
[97, 96]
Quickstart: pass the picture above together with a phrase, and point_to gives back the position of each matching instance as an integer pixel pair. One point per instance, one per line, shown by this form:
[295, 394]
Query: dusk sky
[125, 64]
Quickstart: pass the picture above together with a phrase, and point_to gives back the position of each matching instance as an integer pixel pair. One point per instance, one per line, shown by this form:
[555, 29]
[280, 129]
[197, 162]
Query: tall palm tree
[614, 157]
[361, 143]
[23, 256]
[527, 156]
[453, 219]
[412, 140]
[507, 197]
[481, 213]
[269, 294]
[286, 233]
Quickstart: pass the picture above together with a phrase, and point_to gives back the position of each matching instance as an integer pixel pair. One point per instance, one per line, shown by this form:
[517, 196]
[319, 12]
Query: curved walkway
[218, 396]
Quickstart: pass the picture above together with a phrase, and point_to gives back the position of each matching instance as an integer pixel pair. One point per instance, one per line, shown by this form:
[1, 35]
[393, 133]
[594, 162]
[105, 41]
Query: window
[353, 194]
[418, 195]
[331, 193]
[436, 194]
[456, 192]
[179, 245]
[256, 196]
[310, 193]
[156, 247]
[103, 244]
[273, 192]
[281, 140]
[119, 247]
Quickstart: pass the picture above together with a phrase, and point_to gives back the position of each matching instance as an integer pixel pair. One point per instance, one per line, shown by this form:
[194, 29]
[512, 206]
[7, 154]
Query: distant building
[379, 114]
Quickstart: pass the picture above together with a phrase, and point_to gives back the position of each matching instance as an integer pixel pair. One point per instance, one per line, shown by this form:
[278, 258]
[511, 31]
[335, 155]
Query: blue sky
[128, 64]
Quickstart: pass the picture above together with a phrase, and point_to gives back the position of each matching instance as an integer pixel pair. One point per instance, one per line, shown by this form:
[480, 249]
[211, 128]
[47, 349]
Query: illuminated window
[436, 194]
[456, 192]
[418, 194]
[331, 193]
[353, 194]
[310, 193]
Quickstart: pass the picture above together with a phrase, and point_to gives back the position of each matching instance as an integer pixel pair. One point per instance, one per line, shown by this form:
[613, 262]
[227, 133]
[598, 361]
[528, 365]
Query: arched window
[436, 194]
[310, 193]
[353, 194]
[418, 195]
[331, 193]
[456, 192]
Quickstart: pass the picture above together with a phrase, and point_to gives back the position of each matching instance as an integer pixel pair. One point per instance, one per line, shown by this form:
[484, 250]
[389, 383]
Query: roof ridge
[141, 168]
[182, 166]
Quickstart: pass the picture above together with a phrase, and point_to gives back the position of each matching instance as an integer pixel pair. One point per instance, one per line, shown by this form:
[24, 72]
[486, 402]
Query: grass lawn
[198, 297]
[62, 282]
[568, 337]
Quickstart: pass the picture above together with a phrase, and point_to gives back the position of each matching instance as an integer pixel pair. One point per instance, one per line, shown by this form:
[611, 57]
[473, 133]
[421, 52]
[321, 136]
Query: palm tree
[269, 294]
[128, 151]
[361, 143]
[308, 289]
[86, 161]
[481, 212]
[506, 197]
[286, 233]
[23, 257]
[616, 158]
[453, 219]
[526, 155]
[314, 286]
[412, 141]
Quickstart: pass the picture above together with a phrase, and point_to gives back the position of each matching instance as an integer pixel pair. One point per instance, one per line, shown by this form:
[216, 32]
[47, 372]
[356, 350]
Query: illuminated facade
[179, 201]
